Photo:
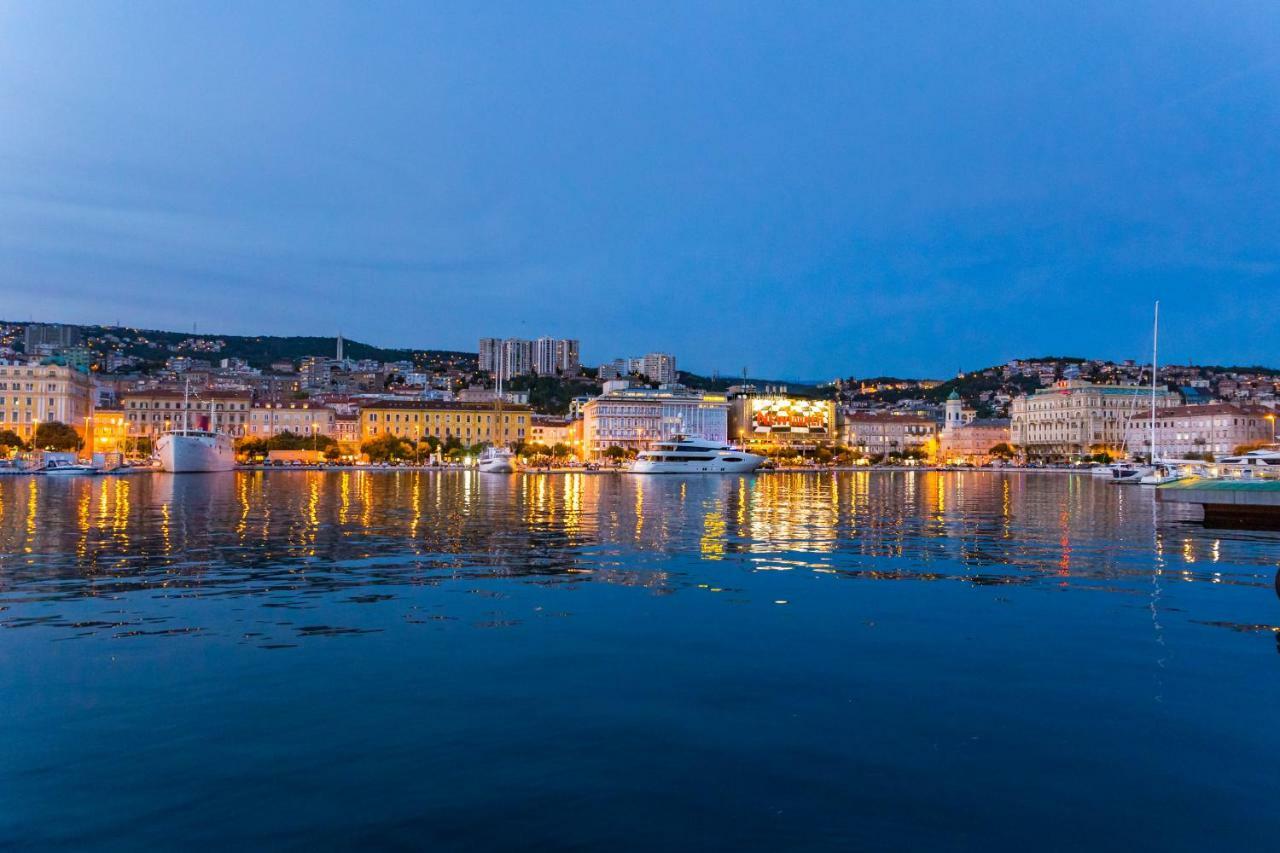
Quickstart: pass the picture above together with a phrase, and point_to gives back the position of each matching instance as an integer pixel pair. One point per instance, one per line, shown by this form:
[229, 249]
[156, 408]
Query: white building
[1074, 417]
[635, 418]
[1217, 429]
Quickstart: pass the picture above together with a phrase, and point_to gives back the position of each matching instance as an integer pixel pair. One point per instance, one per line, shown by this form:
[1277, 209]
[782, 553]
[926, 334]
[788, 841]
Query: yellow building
[149, 413]
[470, 423]
[267, 419]
[551, 431]
[32, 393]
[108, 431]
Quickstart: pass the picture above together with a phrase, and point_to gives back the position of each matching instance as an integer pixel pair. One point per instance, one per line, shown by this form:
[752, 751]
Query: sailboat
[190, 450]
[497, 458]
[1159, 471]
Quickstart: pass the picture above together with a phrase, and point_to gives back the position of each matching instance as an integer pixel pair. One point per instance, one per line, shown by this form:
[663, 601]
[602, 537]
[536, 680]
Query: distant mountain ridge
[258, 350]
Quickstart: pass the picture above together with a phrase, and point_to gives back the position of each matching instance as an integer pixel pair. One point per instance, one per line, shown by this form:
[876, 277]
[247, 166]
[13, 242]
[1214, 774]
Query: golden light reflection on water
[902, 524]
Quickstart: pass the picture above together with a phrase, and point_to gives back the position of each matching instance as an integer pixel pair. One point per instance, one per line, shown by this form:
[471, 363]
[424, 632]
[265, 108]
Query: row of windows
[193, 405]
[158, 416]
[372, 417]
[448, 433]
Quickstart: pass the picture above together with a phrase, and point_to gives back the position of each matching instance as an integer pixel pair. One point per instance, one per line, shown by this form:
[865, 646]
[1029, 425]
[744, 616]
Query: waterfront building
[107, 432]
[550, 431]
[150, 412]
[36, 392]
[1076, 417]
[470, 423]
[772, 420]
[635, 418]
[1216, 429]
[299, 418]
[967, 438]
[878, 434]
[346, 428]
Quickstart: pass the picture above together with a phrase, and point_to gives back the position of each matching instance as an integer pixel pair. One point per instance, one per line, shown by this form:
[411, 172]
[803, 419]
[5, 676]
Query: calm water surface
[451, 661]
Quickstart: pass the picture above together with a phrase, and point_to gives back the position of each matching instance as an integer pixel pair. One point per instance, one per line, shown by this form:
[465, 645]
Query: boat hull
[743, 465]
[195, 454]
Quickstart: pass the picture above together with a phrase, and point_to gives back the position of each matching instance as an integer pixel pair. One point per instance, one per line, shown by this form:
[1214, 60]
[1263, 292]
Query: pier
[1229, 503]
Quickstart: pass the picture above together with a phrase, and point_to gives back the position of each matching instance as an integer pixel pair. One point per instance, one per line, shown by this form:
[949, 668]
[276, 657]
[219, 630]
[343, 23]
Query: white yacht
[497, 460]
[682, 455]
[193, 451]
[1126, 472]
[1264, 458]
[64, 467]
[1161, 473]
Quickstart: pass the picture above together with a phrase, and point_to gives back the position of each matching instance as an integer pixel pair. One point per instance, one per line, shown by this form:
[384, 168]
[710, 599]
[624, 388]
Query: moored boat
[682, 455]
[497, 460]
[183, 451]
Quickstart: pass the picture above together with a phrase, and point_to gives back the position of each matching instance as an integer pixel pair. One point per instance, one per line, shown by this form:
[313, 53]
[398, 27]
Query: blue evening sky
[804, 189]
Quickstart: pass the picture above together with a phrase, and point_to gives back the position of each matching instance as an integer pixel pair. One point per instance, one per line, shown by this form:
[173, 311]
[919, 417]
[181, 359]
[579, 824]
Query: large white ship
[184, 451]
[682, 455]
[193, 451]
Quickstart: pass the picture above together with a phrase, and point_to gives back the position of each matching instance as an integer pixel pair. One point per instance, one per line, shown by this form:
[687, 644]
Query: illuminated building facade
[635, 418]
[108, 431]
[779, 420]
[551, 431]
[36, 392]
[1217, 428]
[470, 423]
[1075, 417]
[267, 419]
[968, 439]
[881, 434]
[151, 412]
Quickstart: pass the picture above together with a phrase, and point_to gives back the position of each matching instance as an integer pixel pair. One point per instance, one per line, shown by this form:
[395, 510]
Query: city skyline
[856, 190]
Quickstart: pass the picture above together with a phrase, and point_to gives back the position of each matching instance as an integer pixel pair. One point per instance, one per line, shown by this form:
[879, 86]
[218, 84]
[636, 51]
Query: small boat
[1127, 472]
[682, 455]
[1161, 473]
[497, 460]
[60, 467]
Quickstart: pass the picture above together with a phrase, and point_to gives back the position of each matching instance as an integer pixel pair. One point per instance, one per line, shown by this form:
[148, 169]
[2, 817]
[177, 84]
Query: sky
[804, 190]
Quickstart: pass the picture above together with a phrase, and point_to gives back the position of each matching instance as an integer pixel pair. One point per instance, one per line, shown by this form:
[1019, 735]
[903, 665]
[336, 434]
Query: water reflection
[300, 534]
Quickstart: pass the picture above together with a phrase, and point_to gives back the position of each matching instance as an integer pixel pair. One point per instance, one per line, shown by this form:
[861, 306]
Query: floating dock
[1229, 503]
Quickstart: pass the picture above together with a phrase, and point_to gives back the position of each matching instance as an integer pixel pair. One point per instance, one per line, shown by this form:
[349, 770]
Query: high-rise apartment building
[545, 356]
[47, 338]
[659, 367]
[490, 351]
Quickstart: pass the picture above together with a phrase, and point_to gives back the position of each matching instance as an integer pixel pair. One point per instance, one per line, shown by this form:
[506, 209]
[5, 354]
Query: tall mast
[186, 404]
[497, 402]
[1155, 338]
